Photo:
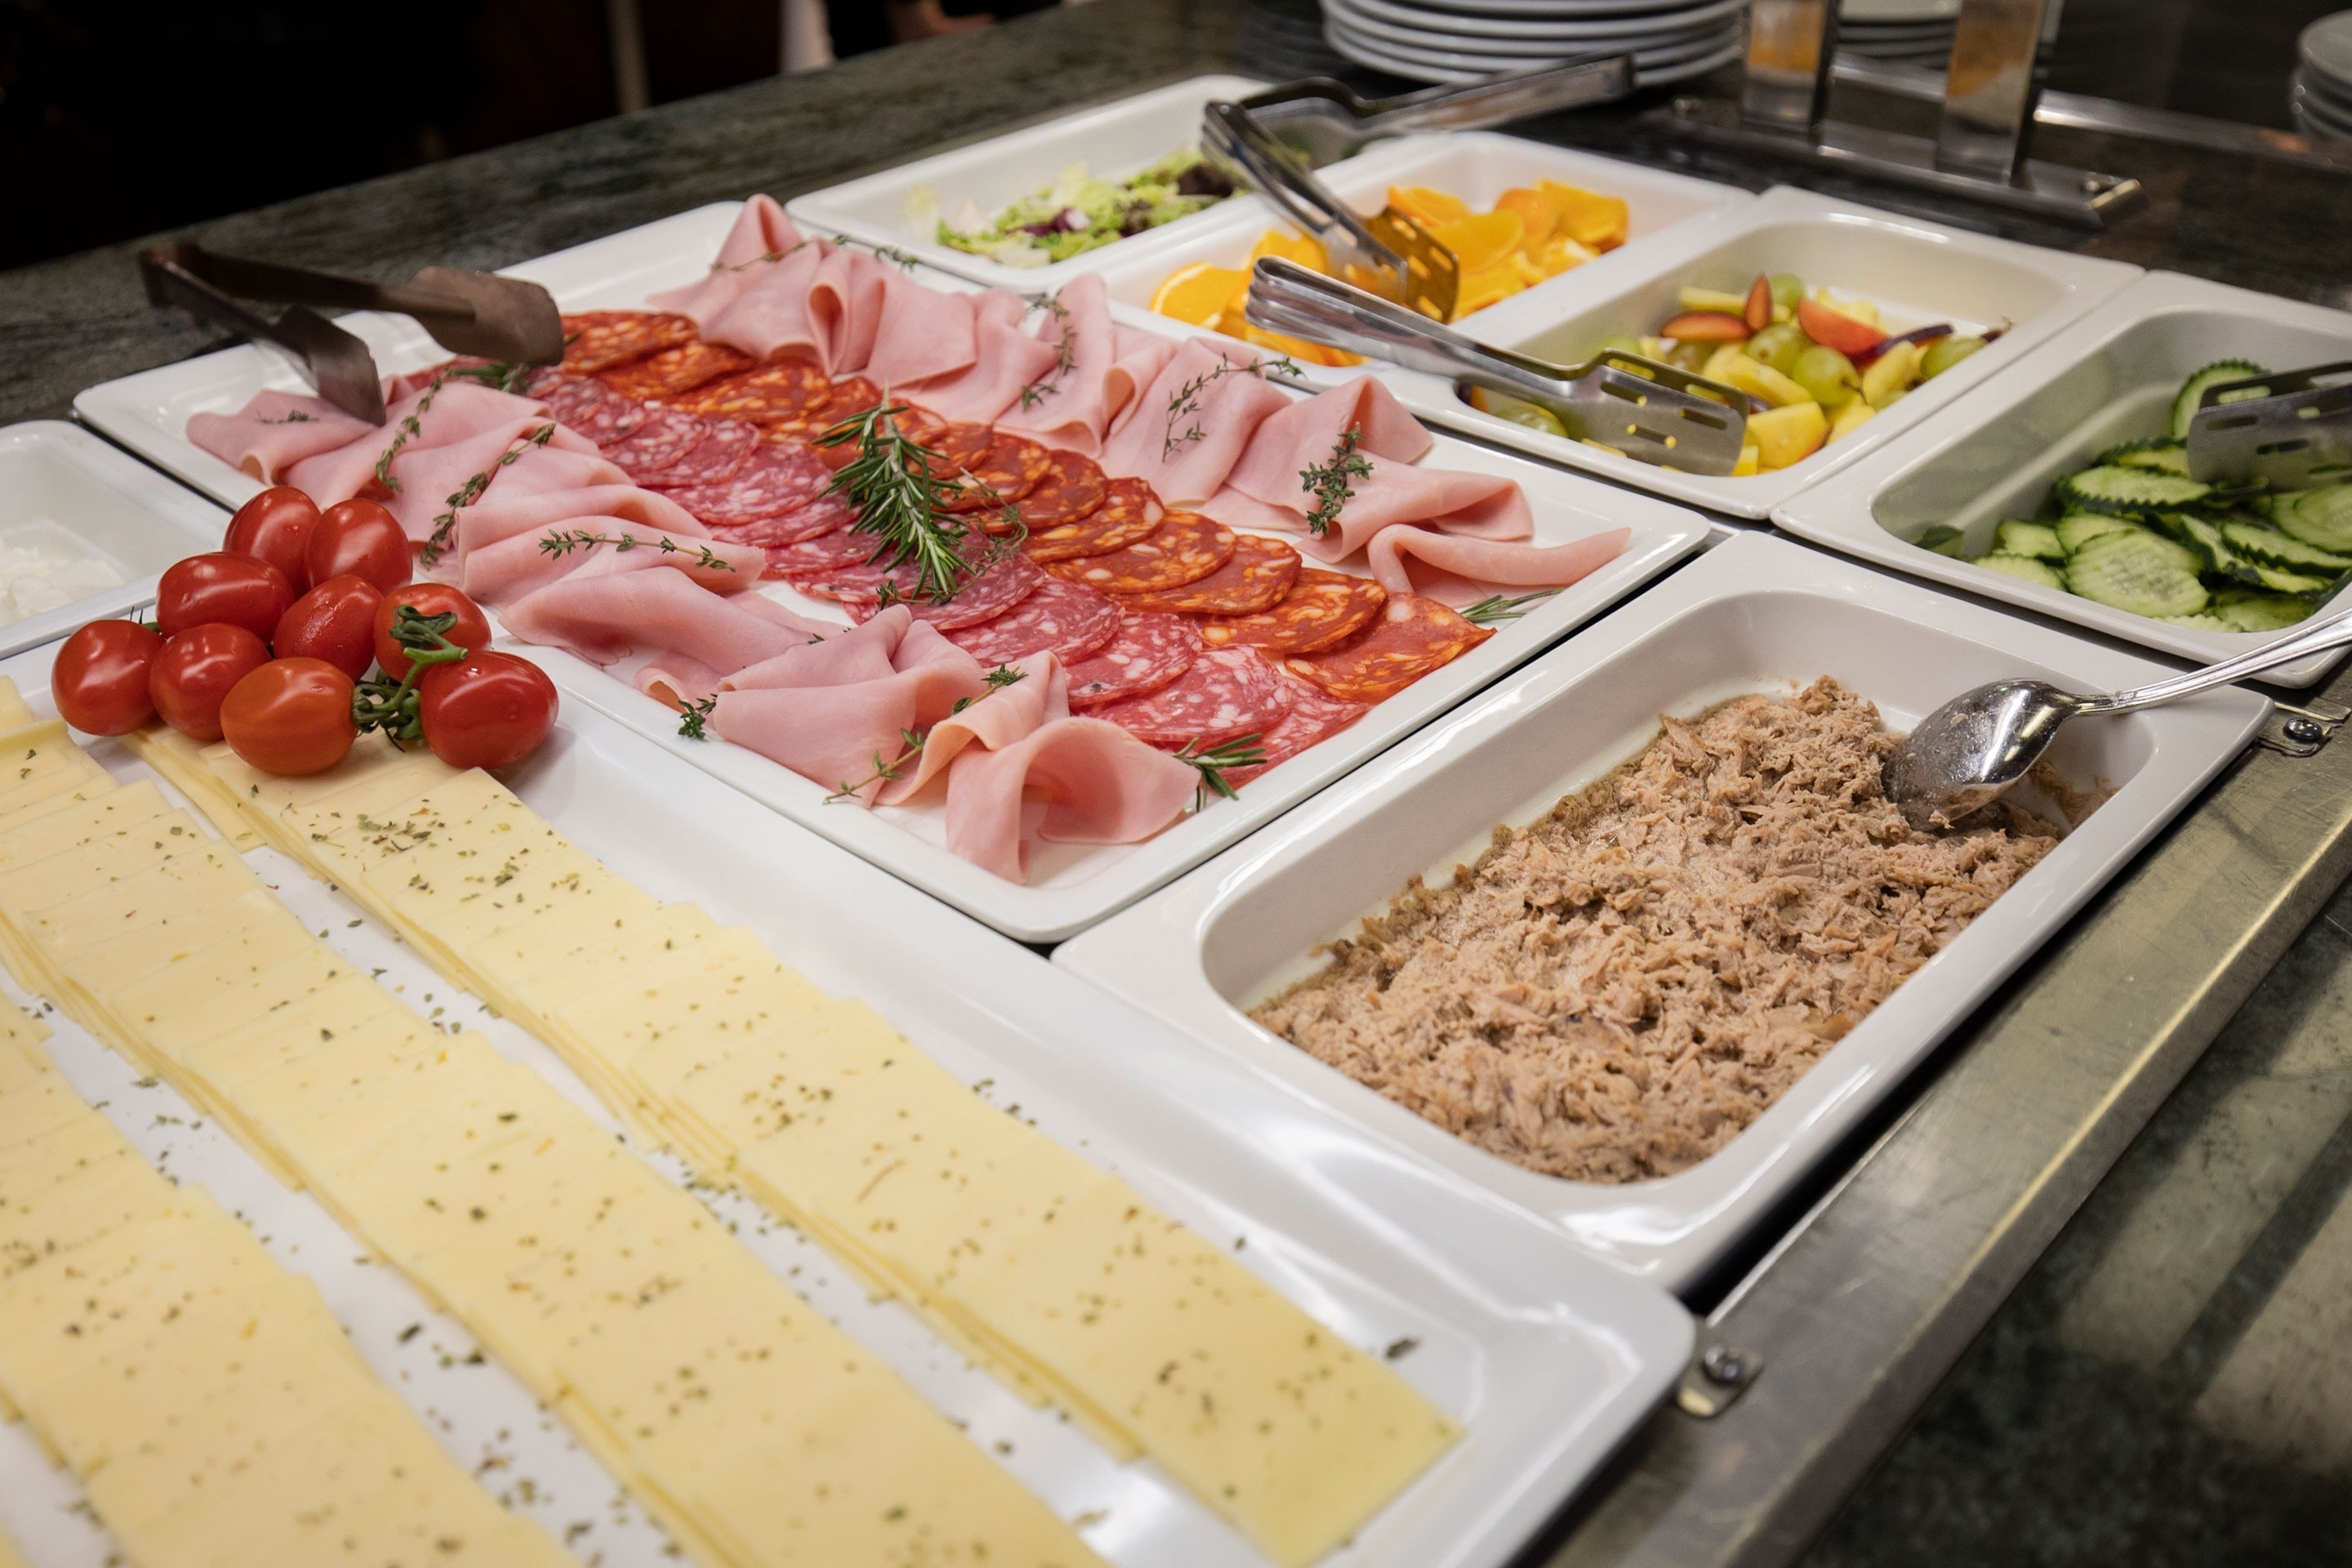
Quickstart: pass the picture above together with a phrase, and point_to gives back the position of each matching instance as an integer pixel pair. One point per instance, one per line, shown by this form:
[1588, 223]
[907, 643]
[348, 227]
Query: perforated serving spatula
[2291, 427]
[1645, 409]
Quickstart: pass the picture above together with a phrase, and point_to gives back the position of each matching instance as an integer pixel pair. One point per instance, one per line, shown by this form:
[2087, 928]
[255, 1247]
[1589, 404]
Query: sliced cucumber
[2161, 453]
[2025, 567]
[2038, 540]
[2203, 621]
[2259, 611]
[2204, 536]
[2322, 518]
[2283, 582]
[1943, 539]
[2078, 529]
[2269, 547]
[2192, 391]
[2140, 573]
[2130, 492]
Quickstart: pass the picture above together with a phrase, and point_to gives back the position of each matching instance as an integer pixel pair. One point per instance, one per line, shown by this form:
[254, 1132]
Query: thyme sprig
[1003, 676]
[394, 707]
[436, 543]
[1327, 481]
[884, 772]
[295, 417]
[694, 716]
[898, 495]
[1065, 357]
[1185, 401]
[1494, 609]
[1212, 765]
[563, 541]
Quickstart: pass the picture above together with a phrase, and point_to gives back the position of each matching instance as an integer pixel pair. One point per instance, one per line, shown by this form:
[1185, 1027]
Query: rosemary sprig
[394, 707]
[1327, 481]
[1212, 765]
[1494, 609]
[436, 543]
[1185, 401]
[898, 495]
[565, 541]
[694, 716]
[884, 772]
[1065, 358]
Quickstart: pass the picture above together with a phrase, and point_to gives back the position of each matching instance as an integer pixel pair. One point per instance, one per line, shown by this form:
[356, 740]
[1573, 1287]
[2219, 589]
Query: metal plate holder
[1978, 153]
[2301, 731]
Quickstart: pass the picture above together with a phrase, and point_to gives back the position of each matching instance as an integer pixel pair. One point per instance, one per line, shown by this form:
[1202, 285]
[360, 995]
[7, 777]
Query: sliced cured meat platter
[1069, 886]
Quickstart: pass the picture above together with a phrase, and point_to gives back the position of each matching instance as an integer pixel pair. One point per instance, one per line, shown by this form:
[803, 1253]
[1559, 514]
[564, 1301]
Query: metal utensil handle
[170, 282]
[1233, 133]
[300, 286]
[1284, 296]
[2332, 633]
[1522, 95]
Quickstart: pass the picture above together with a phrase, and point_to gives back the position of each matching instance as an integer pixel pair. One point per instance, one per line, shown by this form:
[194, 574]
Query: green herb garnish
[1328, 482]
[898, 496]
[694, 716]
[565, 541]
[1496, 609]
[1212, 765]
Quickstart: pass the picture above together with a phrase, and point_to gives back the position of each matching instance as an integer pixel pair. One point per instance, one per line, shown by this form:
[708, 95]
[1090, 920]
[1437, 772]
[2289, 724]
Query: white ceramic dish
[1112, 141]
[1404, 25]
[1918, 272]
[1477, 166]
[1555, 24]
[64, 489]
[1751, 615]
[1654, 65]
[2110, 377]
[1071, 885]
[1547, 1360]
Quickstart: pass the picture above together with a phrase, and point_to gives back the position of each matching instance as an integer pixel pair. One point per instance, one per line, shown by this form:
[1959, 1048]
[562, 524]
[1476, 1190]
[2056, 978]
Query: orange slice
[1304, 249]
[1482, 242]
[1426, 206]
[1538, 208]
[1589, 218]
[1199, 293]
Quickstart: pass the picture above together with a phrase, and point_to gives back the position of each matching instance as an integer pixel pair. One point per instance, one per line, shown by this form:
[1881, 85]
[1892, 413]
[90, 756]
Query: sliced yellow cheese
[81, 822]
[182, 763]
[14, 711]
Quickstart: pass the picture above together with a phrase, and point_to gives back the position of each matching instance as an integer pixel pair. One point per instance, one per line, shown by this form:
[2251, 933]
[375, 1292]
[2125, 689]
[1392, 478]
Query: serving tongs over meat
[2286, 428]
[1645, 409]
[1323, 122]
[501, 319]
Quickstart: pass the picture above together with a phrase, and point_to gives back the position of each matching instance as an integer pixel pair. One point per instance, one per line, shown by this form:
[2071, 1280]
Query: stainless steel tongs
[1325, 123]
[1655, 412]
[2285, 428]
[465, 313]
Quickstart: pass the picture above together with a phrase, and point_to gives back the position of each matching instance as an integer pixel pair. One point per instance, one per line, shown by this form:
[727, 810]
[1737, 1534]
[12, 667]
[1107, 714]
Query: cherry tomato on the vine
[195, 670]
[471, 632]
[290, 717]
[334, 621]
[239, 590]
[359, 539]
[485, 711]
[275, 526]
[100, 676]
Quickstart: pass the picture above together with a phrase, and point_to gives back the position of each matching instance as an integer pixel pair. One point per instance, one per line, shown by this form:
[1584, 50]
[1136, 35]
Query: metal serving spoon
[1967, 754]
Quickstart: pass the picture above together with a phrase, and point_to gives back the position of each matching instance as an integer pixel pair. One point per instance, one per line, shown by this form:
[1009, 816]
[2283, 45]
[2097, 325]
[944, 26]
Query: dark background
[119, 117]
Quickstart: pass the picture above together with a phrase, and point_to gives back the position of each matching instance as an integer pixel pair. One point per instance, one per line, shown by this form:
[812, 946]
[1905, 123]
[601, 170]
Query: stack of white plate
[1461, 40]
[2321, 97]
[1909, 32]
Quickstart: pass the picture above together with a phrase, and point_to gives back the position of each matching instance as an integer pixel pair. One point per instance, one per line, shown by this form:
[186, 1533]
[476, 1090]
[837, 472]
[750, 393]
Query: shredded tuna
[1614, 991]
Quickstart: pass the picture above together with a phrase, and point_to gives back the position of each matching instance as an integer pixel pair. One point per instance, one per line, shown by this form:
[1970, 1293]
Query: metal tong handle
[1521, 95]
[1232, 133]
[2332, 632]
[340, 364]
[300, 286]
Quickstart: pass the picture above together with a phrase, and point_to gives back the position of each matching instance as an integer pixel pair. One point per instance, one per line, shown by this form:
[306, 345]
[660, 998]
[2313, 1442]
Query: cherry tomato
[100, 676]
[471, 633]
[276, 527]
[359, 539]
[487, 710]
[291, 717]
[240, 590]
[195, 670]
[334, 621]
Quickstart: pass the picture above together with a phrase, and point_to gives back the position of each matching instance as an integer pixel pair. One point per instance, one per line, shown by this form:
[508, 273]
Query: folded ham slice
[1074, 407]
[274, 431]
[430, 482]
[1504, 563]
[1008, 361]
[844, 657]
[1006, 714]
[1192, 422]
[499, 573]
[845, 306]
[1138, 358]
[1098, 785]
[607, 617]
[762, 230]
[676, 679]
[923, 334]
[450, 413]
[768, 312]
[500, 514]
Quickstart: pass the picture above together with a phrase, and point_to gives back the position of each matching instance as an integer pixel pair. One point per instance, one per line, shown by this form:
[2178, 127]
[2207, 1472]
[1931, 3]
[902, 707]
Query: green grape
[1624, 344]
[1778, 345]
[1829, 375]
[1944, 354]
[1787, 290]
[1522, 412]
[1691, 356]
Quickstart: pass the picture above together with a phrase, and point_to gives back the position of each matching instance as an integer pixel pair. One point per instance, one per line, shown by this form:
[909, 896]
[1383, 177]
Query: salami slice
[1256, 578]
[1008, 470]
[773, 480]
[1007, 581]
[1129, 513]
[1414, 636]
[1228, 693]
[781, 389]
[726, 446]
[660, 376]
[1147, 652]
[595, 410]
[1321, 608]
[1072, 486]
[958, 445]
[821, 555]
[1184, 548]
[665, 436]
[1315, 715]
[821, 514]
[597, 339]
[1070, 620]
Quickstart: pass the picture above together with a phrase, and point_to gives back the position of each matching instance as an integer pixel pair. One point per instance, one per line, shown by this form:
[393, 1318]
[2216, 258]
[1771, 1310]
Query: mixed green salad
[1079, 212]
[2137, 532]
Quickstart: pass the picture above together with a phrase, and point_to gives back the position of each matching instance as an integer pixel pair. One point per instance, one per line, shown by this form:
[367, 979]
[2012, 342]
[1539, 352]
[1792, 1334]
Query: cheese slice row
[1053, 1275]
[712, 1390]
[205, 1398]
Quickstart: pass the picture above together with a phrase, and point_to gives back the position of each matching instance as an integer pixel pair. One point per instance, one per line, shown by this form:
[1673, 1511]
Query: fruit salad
[1531, 233]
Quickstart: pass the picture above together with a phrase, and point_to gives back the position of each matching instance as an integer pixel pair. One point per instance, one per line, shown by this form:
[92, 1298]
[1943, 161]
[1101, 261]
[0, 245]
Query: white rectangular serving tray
[1754, 614]
[1546, 1359]
[2110, 377]
[1113, 140]
[59, 480]
[1477, 166]
[1071, 885]
[1918, 272]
